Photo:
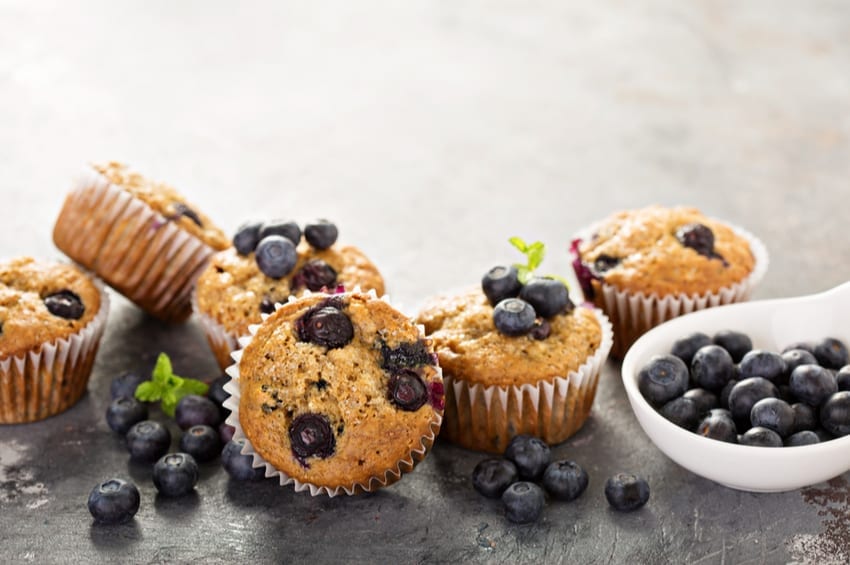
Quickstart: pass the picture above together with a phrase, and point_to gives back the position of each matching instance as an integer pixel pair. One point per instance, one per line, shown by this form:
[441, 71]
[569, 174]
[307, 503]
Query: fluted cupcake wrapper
[133, 248]
[389, 477]
[485, 418]
[49, 380]
[222, 342]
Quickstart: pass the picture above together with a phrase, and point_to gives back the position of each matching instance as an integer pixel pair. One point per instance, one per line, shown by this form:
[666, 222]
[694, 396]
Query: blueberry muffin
[52, 317]
[244, 282]
[643, 267]
[138, 235]
[337, 393]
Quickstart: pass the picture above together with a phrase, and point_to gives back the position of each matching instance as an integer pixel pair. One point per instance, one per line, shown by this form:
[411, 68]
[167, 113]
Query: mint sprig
[168, 388]
[534, 254]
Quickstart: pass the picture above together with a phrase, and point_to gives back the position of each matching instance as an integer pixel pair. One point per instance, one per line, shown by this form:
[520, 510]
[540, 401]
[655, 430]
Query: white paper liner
[485, 418]
[133, 248]
[390, 476]
[633, 314]
[51, 379]
[221, 341]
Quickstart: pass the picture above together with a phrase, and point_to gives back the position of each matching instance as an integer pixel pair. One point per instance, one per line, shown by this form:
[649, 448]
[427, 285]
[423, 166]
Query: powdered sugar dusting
[832, 545]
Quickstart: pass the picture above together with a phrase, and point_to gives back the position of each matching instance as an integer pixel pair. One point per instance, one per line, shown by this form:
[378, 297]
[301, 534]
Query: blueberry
[765, 364]
[794, 358]
[835, 414]
[547, 296]
[712, 367]
[704, 399]
[842, 378]
[315, 275]
[746, 393]
[276, 256]
[175, 474]
[530, 454]
[65, 304]
[626, 492]
[247, 237]
[124, 412]
[564, 480]
[805, 437]
[698, 237]
[719, 425]
[665, 377]
[114, 501]
[181, 209]
[604, 263]
[499, 283]
[201, 442]
[804, 345]
[492, 476]
[310, 435]
[541, 329]
[736, 343]
[148, 440]
[326, 326]
[724, 394]
[773, 414]
[823, 435]
[805, 417]
[812, 384]
[237, 465]
[225, 432]
[321, 234]
[407, 391]
[282, 228]
[216, 392]
[760, 437]
[125, 385]
[683, 412]
[685, 348]
[831, 353]
[195, 410]
[406, 355]
[267, 305]
[523, 502]
[514, 317]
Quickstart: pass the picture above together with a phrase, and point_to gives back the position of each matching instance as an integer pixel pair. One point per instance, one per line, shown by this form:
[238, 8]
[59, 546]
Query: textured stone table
[431, 132]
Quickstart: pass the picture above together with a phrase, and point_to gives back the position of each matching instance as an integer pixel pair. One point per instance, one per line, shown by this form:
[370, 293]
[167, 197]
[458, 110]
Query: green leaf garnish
[167, 387]
[534, 254]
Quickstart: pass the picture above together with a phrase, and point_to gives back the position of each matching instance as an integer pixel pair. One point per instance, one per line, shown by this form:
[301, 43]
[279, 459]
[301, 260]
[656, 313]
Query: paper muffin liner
[632, 314]
[52, 377]
[132, 247]
[390, 476]
[486, 418]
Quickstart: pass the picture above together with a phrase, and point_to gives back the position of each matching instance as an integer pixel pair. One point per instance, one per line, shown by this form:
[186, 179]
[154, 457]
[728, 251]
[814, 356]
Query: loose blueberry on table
[237, 465]
[196, 410]
[201, 442]
[125, 385]
[491, 477]
[530, 454]
[565, 480]
[175, 474]
[124, 412]
[523, 502]
[626, 492]
[148, 440]
[114, 501]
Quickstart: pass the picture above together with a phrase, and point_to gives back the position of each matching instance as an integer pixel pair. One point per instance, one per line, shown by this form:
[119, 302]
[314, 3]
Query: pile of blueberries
[521, 309]
[148, 441]
[527, 461]
[721, 388]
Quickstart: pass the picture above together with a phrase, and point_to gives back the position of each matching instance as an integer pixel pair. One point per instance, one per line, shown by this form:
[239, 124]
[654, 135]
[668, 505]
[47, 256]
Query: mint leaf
[536, 251]
[162, 371]
[148, 391]
[192, 386]
[169, 402]
[519, 243]
[167, 387]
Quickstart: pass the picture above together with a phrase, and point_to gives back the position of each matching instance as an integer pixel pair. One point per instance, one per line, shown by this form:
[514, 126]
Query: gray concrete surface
[431, 132]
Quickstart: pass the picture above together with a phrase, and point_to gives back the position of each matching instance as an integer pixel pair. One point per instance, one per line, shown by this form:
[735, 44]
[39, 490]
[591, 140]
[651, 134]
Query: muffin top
[338, 389]
[663, 251]
[470, 347]
[42, 302]
[167, 201]
[234, 292]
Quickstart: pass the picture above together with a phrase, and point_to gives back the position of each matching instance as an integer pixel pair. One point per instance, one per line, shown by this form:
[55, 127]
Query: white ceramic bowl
[772, 324]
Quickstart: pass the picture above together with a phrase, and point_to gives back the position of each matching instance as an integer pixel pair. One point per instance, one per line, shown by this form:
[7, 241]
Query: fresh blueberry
[65, 304]
[547, 296]
[501, 282]
[665, 377]
[823, 435]
[724, 394]
[225, 432]
[704, 399]
[805, 417]
[276, 256]
[805, 437]
[746, 393]
[541, 330]
[247, 237]
[217, 394]
[237, 465]
[407, 391]
[765, 364]
[175, 474]
[812, 384]
[148, 440]
[406, 355]
[282, 228]
[564, 480]
[835, 414]
[530, 454]
[712, 367]
[523, 502]
[604, 263]
[683, 412]
[685, 348]
[760, 437]
[316, 275]
[201, 442]
[842, 378]
[718, 424]
[180, 209]
[831, 353]
[321, 234]
[310, 435]
[514, 317]
[492, 476]
[327, 326]
[626, 492]
[794, 358]
[125, 385]
[773, 414]
[804, 345]
[736, 343]
[114, 501]
[124, 412]
[196, 410]
[698, 237]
